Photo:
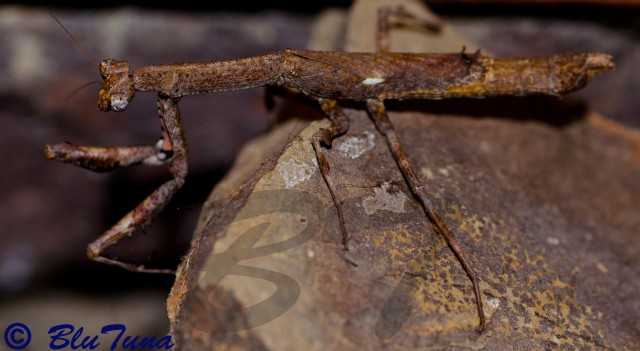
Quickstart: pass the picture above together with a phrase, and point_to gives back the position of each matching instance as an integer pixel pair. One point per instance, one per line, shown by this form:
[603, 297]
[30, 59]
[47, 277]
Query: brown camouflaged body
[360, 76]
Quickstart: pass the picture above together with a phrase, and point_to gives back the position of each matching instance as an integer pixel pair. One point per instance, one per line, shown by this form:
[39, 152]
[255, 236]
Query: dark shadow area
[99, 279]
[249, 6]
[163, 243]
[612, 15]
[17, 104]
[546, 109]
[157, 248]
[607, 14]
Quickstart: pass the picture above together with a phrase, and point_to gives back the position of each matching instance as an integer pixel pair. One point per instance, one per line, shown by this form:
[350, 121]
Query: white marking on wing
[372, 81]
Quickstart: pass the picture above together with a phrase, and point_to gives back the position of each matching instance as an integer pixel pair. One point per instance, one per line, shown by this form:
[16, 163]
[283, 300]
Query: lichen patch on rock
[354, 147]
[384, 200]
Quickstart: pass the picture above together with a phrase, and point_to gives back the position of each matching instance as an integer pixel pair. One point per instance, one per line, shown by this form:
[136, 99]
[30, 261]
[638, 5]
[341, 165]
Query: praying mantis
[326, 77]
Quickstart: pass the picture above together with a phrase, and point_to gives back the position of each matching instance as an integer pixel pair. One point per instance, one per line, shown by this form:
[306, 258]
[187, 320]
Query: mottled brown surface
[339, 75]
[98, 159]
[435, 76]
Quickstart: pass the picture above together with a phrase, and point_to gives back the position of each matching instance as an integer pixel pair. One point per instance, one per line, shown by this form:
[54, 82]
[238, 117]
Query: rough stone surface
[547, 212]
[548, 215]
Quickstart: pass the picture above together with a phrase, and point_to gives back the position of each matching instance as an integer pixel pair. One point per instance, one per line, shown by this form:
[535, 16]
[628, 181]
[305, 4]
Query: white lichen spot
[553, 241]
[310, 253]
[384, 200]
[293, 172]
[494, 303]
[353, 147]
[444, 172]
[372, 81]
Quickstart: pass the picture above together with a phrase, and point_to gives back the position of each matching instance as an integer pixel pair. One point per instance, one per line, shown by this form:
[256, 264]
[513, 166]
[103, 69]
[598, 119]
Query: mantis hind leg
[379, 114]
[171, 149]
[388, 16]
[322, 139]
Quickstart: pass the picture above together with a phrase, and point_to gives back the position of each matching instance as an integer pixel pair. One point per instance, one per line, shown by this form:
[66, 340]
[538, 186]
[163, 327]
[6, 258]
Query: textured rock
[547, 214]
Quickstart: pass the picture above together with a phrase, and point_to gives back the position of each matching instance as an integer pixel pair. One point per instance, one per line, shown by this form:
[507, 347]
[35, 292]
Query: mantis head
[117, 88]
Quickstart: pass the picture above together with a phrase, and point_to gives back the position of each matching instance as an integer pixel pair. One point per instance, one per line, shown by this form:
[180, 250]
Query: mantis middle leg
[339, 125]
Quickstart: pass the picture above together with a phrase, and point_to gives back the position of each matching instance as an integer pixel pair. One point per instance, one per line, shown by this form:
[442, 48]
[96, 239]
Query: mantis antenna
[74, 39]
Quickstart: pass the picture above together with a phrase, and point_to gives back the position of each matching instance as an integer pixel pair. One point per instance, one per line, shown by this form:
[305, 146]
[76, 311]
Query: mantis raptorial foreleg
[172, 146]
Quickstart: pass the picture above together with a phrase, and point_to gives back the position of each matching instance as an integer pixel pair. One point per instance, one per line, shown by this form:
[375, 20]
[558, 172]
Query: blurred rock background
[49, 212]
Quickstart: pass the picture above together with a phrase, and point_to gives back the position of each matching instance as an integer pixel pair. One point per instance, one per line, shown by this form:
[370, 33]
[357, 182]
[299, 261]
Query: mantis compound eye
[117, 87]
